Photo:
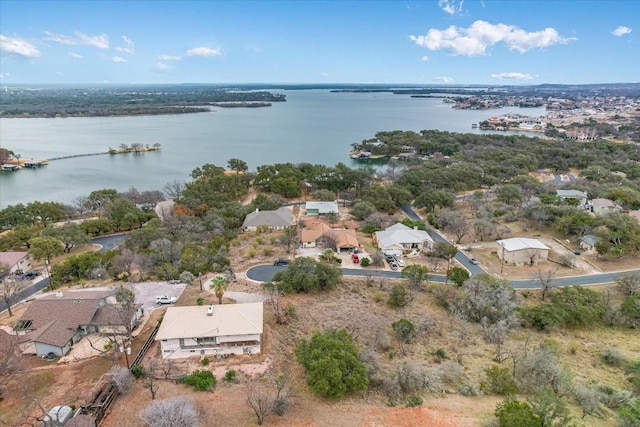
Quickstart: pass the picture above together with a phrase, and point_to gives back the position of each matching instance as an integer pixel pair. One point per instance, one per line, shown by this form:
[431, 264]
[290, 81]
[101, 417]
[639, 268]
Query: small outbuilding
[321, 208]
[522, 251]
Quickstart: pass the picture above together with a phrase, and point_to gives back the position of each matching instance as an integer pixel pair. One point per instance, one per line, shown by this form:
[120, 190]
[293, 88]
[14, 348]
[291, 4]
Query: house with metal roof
[275, 220]
[321, 208]
[588, 243]
[602, 206]
[214, 330]
[568, 196]
[400, 239]
[522, 250]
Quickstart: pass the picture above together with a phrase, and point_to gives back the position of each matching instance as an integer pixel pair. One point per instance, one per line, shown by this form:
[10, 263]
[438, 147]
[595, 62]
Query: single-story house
[16, 261]
[345, 240]
[321, 208]
[604, 206]
[569, 195]
[276, 220]
[55, 322]
[400, 239]
[588, 243]
[312, 232]
[522, 250]
[214, 330]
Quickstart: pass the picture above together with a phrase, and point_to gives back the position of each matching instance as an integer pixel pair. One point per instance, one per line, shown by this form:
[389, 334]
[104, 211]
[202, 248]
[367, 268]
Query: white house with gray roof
[400, 239]
[214, 330]
[276, 220]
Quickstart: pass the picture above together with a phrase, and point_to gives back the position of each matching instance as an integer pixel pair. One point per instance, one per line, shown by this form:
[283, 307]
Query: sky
[506, 42]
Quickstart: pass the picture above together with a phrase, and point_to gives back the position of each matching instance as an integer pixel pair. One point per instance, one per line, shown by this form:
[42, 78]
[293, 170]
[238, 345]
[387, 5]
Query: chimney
[210, 310]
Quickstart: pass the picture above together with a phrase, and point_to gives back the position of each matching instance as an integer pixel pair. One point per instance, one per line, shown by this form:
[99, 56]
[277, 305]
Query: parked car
[31, 274]
[399, 261]
[474, 261]
[393, 266]
[165, 299]
[281, 261]
[175, 282]
[355, 259]
[49, 356]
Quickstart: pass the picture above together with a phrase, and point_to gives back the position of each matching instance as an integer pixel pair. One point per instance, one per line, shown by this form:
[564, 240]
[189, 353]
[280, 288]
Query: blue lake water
[314, 126]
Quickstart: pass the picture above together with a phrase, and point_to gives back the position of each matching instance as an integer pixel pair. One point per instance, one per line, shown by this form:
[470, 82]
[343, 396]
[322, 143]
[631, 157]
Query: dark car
[281, 261]
[49, 356]
[31, 274]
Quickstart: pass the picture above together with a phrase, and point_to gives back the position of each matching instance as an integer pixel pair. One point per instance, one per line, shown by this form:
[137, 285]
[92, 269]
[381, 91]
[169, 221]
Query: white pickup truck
[165, 299]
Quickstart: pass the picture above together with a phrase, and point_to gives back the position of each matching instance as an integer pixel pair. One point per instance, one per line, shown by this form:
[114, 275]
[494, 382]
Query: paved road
[264, 273]
[107, 243]
[461, 257]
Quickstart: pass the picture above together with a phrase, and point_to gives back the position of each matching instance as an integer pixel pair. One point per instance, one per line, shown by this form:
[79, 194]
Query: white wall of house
[43, 349]
[171, 348]
[309, 244]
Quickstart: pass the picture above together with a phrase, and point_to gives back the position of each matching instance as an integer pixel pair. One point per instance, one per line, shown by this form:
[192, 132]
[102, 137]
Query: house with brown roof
[53, 323]
[312, 232]
[345, 240]
[315, 230]
[18, 262]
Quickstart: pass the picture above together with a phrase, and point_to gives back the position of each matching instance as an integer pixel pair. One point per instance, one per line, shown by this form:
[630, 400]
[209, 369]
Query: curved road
[107, 243]
[264, 273]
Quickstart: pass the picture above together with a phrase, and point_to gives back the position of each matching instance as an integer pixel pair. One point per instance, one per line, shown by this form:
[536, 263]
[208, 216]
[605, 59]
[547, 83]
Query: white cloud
[118, 59]
[324, 74]
[18, 47]
[474, 40]
[129, 46]
[443, 79]
[161, 67]
[451, 6]
[74, 55]
[169, 57]
[425, 58]
[203, 51]
[100, 41]
[514, 76]
[4, 75]
[621, 31]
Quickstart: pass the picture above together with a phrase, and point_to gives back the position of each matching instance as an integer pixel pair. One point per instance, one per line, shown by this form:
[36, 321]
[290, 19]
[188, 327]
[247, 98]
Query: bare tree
[10, 289]
[174, 189]
[178, 411]
[9, 358]
[260, 399]
[546, 281]
[628, 284]
[280, 314]
[150, 369]
[588, 399]
[166, 366]
[122, 378]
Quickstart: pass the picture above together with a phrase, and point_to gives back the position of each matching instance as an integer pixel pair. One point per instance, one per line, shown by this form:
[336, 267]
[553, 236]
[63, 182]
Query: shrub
[137, 371]
[613, 357]
[200, 301]
[378, 296]
[230, 376]
[413, 401]
[251, 253]
[267, 251]
[201, 380]
[365, 262]
[500, 380]
[469, 390]
[440, 354]
[399, 297]
[205, 361]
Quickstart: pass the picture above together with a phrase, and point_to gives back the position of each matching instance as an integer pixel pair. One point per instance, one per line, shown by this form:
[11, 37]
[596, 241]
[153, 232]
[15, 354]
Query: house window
[206, 341]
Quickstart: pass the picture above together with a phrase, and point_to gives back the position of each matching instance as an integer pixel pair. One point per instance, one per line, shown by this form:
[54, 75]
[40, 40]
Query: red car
[355, 259]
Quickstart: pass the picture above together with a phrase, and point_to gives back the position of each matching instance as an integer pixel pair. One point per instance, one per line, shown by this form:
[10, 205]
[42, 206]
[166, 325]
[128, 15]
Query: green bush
[414, 401]
[399, 297]
[613, 357]
[230, 376]
[501, 381]
[205, 361]
[441, 354]
[137, 371]
[201, 380]
[200, 301]
[365, 262]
